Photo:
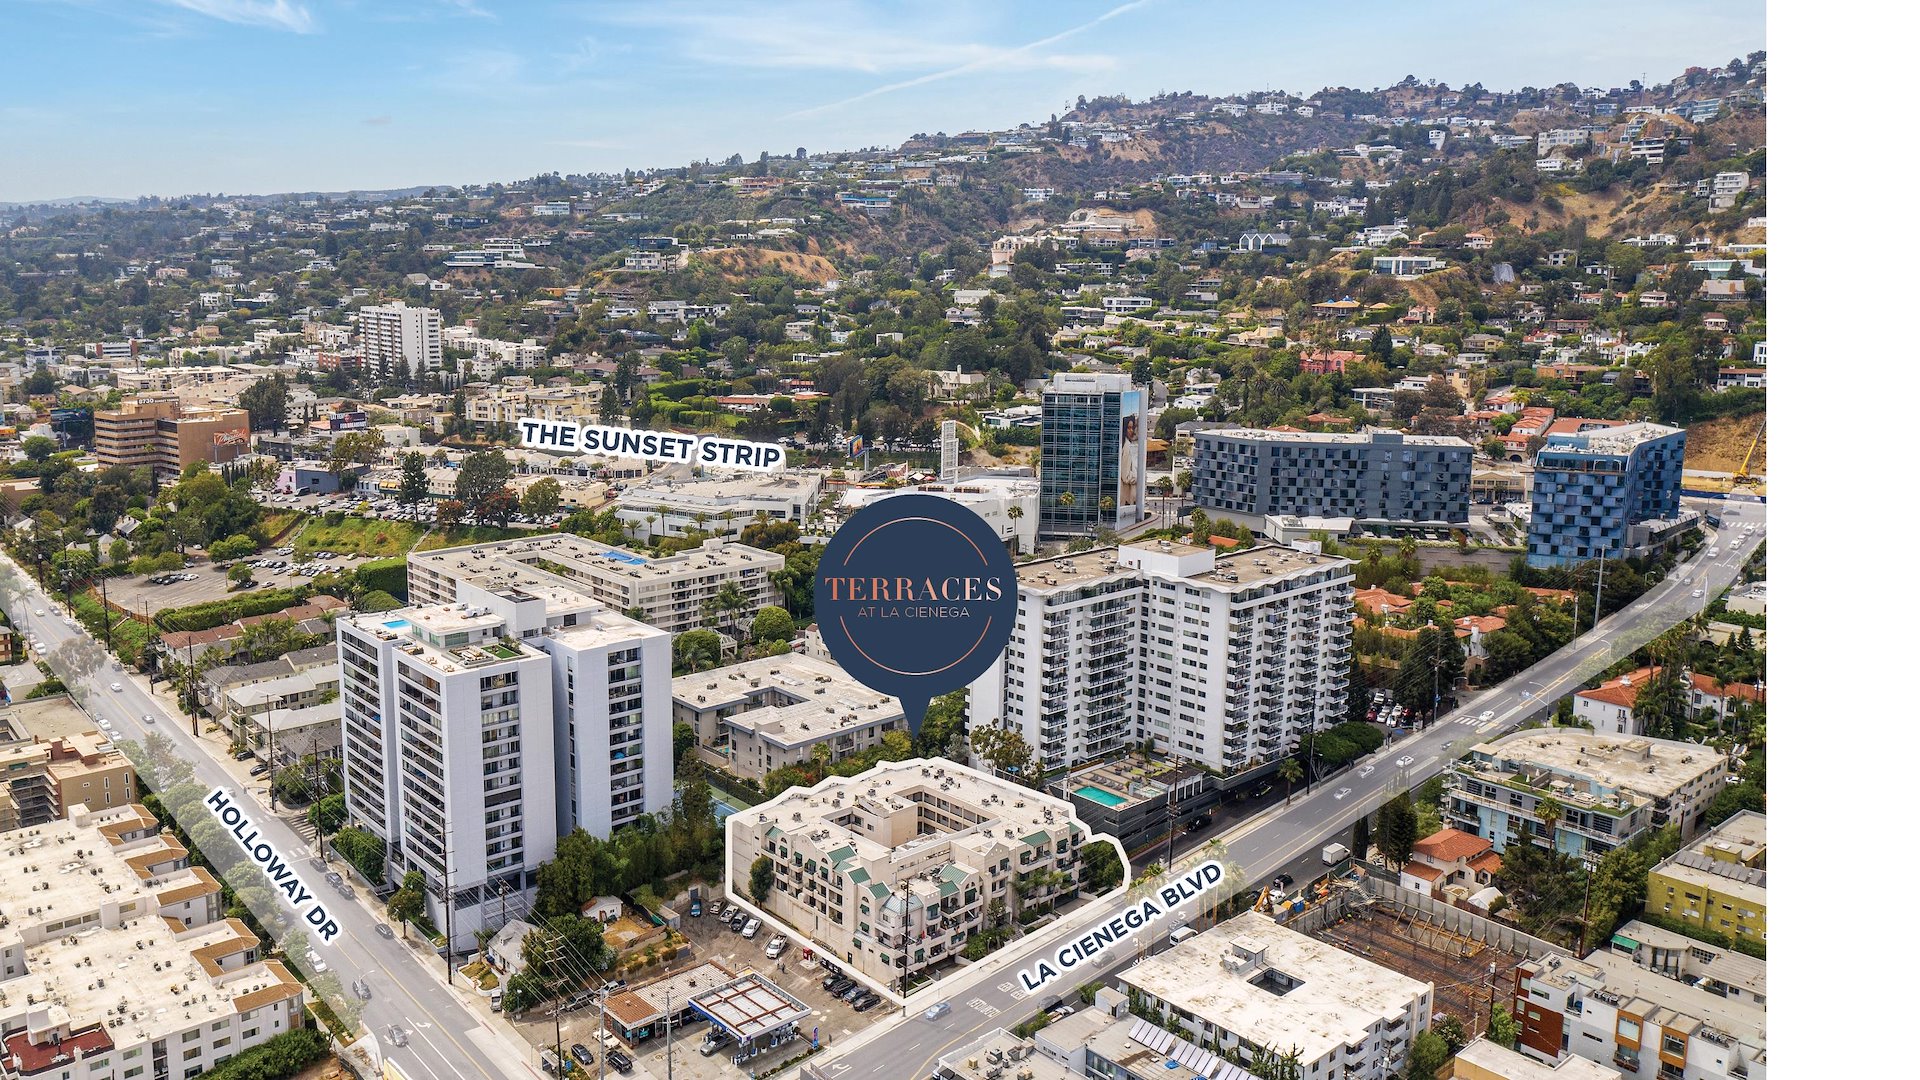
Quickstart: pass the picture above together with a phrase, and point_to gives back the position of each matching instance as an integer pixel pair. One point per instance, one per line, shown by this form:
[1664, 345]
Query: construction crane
[1745, 478]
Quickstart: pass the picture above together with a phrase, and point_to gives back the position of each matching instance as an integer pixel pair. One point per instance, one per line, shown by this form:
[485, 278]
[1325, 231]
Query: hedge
[283, 1055]
[383, 575]
[221, 612]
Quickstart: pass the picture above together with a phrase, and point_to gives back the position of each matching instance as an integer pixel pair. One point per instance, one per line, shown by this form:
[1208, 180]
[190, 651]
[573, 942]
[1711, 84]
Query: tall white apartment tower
[477, 732]
[396, 338]
[1222, 660]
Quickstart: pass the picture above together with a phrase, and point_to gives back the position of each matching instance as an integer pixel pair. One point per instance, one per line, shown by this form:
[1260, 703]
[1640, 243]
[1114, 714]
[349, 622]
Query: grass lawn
[277, 523]
[469, 534]
[357, 536]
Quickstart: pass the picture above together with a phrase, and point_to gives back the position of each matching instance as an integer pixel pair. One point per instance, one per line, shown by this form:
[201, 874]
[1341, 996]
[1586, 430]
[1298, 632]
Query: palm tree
[1232, 880]
[1291, 772]
[1066, 498]
[1549, 811]
[1014, 513]
[1144, 881]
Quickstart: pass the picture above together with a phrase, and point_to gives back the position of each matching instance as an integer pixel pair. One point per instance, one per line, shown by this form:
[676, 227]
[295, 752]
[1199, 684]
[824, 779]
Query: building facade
[1719, 882]
[477, 732]
[1608, 494]
[1221, 660]
[168, 436]
[893, 870]
[671, 593]
[1378, 478]
[395, 339]
[1093, 454]
[1602, 791]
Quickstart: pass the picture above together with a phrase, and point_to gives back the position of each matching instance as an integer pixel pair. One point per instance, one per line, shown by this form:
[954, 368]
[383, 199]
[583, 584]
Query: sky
[123, 98]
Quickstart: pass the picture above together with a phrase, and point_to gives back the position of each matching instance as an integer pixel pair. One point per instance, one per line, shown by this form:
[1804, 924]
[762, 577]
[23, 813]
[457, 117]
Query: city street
[988, 994]
[445, 1040]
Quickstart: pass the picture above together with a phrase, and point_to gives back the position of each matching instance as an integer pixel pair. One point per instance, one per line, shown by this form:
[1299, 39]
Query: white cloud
[272, 14]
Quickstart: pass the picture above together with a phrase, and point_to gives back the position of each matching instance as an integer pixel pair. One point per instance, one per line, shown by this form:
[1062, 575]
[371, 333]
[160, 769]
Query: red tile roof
[1423, 871]
[1380, 601]
[26, 1057]
[1712, 687]
[1623, 690]
[1486, 624]
[1485, 863]
[1451, 845]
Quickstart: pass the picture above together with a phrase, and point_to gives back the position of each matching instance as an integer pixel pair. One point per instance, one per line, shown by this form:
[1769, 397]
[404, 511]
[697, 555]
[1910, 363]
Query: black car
[867, 1002]
[580, 1053]
[852, 992]
[1284, 881]
[620, 1062]
[838, 986]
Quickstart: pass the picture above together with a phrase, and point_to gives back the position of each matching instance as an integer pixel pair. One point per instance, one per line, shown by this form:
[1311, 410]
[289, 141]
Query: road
[445, 1041]
[988, 995]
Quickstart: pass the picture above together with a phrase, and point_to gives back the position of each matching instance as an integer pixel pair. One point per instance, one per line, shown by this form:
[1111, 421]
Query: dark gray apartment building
[1381, 478]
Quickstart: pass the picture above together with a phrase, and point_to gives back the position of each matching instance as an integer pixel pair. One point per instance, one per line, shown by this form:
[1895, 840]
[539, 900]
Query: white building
[721, 503]
[1250, 983]
[1010, 505]
[761, 715]
[120, 965]
[892, 870]
[1126, 305]
[1225, 660]
[671, 592]
[396, 338]
[476, 733]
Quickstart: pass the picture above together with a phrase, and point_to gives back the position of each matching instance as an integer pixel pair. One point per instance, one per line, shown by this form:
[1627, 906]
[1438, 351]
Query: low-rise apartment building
[761, 715]
[119, 964]
[1604, 790]
[893, 870]
[671, 592]
[672, 502]
[1250, 985]
[45, 780]
[1717, 883]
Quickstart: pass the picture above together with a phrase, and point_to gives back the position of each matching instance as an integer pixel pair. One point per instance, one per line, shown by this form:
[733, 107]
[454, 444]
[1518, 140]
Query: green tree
[1004, 749]
[760, 880]
[1428, 1054]
[696, 650]
[572, 876]
[266, 403]
[772, 624]
[409, 902]
[38, 448]
[541, 499]
[240, 574]
[1501, 1027]
[414, 489]
[1100, 867]
[1660, 705]
[1452, 1032]
[1399, 829]
[328, 815]
[483, 478]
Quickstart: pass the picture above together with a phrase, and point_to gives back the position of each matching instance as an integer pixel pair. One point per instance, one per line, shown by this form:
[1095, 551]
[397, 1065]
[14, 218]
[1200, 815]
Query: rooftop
[1513, 1065]
[750, 1006]
[1230, 572]
[46, 719]
[1611, 441]
[560, 558]
[1730, 860]
[1653, 767]
[1339, 438]
[791, 699]
[1323, 1000]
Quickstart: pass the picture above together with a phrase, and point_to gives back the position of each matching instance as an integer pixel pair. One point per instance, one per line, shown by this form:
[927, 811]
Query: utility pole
[1598, 584]
[446, 905]
[272, 803]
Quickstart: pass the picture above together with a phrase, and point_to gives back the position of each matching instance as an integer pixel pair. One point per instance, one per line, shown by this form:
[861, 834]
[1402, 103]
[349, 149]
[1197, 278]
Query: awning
[1625, 942]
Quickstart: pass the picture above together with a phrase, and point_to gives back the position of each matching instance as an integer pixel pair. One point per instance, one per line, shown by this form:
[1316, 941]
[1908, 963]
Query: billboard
[1131, 500]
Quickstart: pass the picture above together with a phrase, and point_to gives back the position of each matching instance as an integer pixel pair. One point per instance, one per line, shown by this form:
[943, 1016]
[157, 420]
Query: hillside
[1721, 445]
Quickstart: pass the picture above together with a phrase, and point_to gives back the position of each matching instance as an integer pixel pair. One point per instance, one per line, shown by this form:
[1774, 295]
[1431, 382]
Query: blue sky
[132, 97]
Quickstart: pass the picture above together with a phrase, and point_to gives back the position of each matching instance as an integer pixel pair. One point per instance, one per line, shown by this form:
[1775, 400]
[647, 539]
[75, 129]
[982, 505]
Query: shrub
[367, 852]
[383, 575]
[281, 1056]
[221, 612]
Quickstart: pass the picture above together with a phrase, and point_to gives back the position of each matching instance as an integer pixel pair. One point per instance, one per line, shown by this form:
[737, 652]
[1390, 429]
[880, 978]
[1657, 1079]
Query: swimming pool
[1100, 795]
[395, 624]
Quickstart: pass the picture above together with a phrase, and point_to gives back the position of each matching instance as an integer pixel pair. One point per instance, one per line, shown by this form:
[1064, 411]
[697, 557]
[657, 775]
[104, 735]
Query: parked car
[776, 947]
[620, 1062]
[752, 928]
[1284, 881]
[580, 1053]
[865, 1003]
[694, 910]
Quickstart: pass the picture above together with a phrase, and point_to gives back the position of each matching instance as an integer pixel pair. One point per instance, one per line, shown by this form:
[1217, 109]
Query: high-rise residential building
[892, 870]
[1380, 478]
[169, 436]
[396, 339]
[1093, 454]
[477, 732]
[674, 592]
[1603, 790]
[1222, 660]
[1606, 494]
[1253, 988]
[116, 962]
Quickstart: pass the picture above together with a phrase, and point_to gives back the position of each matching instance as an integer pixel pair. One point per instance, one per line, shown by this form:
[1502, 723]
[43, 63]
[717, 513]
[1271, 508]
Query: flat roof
[483, 563]
[1513, 1065]
[1338, 438]
[1613, 440]
[988, 1058]
[802, 698]
[1653, 767]
[750, 1006]
[46, 718]
[1722, 859]
[1331, 1001]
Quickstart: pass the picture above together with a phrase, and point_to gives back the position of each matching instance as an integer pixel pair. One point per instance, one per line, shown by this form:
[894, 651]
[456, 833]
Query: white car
[1698, 593]
[116, 688]
[1488, 715]
[1365, 770]
[1713, 552]
[147, 719]
[1404, 760]
[1343, 793]
[39, 611]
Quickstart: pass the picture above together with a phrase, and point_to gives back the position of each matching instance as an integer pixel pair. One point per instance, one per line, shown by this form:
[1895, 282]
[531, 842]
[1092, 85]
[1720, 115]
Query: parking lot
[794, 971]
[203, 582]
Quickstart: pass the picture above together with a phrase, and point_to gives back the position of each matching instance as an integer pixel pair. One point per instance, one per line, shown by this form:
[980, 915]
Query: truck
[1334, 853]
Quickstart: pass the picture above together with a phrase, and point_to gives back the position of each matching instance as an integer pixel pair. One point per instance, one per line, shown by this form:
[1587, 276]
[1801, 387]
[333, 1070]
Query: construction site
[1468, 959]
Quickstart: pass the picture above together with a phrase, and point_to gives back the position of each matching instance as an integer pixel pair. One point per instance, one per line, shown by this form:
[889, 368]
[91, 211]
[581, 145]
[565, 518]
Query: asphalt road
[445, 1041]
[988, 995]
